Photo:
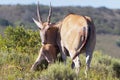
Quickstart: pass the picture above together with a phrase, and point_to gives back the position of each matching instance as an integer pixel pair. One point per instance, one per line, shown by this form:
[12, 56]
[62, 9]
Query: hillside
[107, 44]
[19, 48]
[106, 20]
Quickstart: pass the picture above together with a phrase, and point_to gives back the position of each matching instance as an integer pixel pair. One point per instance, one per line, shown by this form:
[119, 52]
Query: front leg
[38, 61]
[63, 52]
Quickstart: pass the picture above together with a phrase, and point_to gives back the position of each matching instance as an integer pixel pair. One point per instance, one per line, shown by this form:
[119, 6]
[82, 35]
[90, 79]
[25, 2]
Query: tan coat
[77, 34]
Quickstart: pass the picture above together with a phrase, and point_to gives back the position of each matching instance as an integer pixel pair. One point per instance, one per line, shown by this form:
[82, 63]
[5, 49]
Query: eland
[73, 35]
[49, 49]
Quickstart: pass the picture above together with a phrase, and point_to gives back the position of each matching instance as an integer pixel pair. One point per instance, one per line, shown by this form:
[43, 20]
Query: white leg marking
[77, 64]
[76, 61]
[88, 61]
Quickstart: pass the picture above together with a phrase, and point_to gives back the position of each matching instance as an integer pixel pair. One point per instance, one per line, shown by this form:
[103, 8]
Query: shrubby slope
[17, 57]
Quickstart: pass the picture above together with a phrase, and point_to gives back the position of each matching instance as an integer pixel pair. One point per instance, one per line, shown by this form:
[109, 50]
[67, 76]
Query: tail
[85, 35]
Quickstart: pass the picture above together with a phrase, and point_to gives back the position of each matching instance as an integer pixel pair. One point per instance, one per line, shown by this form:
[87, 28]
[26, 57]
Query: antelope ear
[38, 23]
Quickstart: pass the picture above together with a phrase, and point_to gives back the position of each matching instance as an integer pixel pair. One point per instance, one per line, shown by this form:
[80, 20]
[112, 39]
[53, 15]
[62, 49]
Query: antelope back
[72, 31]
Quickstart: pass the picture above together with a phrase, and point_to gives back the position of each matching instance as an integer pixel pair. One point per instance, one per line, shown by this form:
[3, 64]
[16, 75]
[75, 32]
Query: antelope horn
[49, 15]
[38, 13]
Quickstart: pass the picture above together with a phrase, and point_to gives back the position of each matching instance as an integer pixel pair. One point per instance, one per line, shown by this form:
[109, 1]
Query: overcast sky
[114, 4]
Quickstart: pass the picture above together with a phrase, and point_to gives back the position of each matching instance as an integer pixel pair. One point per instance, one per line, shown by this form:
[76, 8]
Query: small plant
[118, 42]
[116, 68]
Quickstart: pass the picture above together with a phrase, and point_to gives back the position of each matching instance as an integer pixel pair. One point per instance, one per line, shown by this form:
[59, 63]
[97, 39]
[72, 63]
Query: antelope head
[43, 26]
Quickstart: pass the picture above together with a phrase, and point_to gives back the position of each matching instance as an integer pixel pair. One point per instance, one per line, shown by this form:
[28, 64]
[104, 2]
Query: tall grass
[16, 66]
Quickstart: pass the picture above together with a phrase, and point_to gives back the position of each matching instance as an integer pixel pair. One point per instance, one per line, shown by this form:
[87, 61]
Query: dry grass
[107, 44]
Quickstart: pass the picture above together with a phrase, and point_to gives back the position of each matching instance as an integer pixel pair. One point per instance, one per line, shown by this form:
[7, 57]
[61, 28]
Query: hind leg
[89, 53]
[75, 62]
[88, 60]
[90, 45]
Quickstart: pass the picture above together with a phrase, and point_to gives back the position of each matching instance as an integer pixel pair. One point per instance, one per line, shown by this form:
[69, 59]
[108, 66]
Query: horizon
[55, 3]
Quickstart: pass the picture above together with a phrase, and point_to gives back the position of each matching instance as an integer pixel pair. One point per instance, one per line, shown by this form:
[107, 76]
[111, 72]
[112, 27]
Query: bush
[118, 42]
[58, 71]
[116, 68]
[15, 66]
[4, 22]
[21, 40]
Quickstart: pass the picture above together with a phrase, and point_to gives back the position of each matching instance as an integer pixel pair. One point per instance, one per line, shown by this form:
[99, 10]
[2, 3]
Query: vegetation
[108, 44]
[20, 40]
[106, 20]
[19, 44]
[118, 42]
[4, 22]
[17, 57]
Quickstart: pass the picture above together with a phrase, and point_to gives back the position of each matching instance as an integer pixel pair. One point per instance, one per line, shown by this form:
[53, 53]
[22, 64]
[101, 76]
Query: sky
[113, 4]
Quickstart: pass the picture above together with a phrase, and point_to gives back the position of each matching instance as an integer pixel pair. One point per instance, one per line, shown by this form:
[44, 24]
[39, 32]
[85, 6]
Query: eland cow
[74, 34]
[49, 49]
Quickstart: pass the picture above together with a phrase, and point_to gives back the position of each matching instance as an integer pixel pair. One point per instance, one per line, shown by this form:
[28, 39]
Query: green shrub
[58, 71]
[15, 66]
[4, 22]
[20, 40]
[116, 69]
[118, 42]
[2, 43]
[105, 61]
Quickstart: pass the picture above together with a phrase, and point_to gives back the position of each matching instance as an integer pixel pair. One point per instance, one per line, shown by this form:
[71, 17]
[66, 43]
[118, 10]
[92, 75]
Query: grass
[107, 44]
[16, 66]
